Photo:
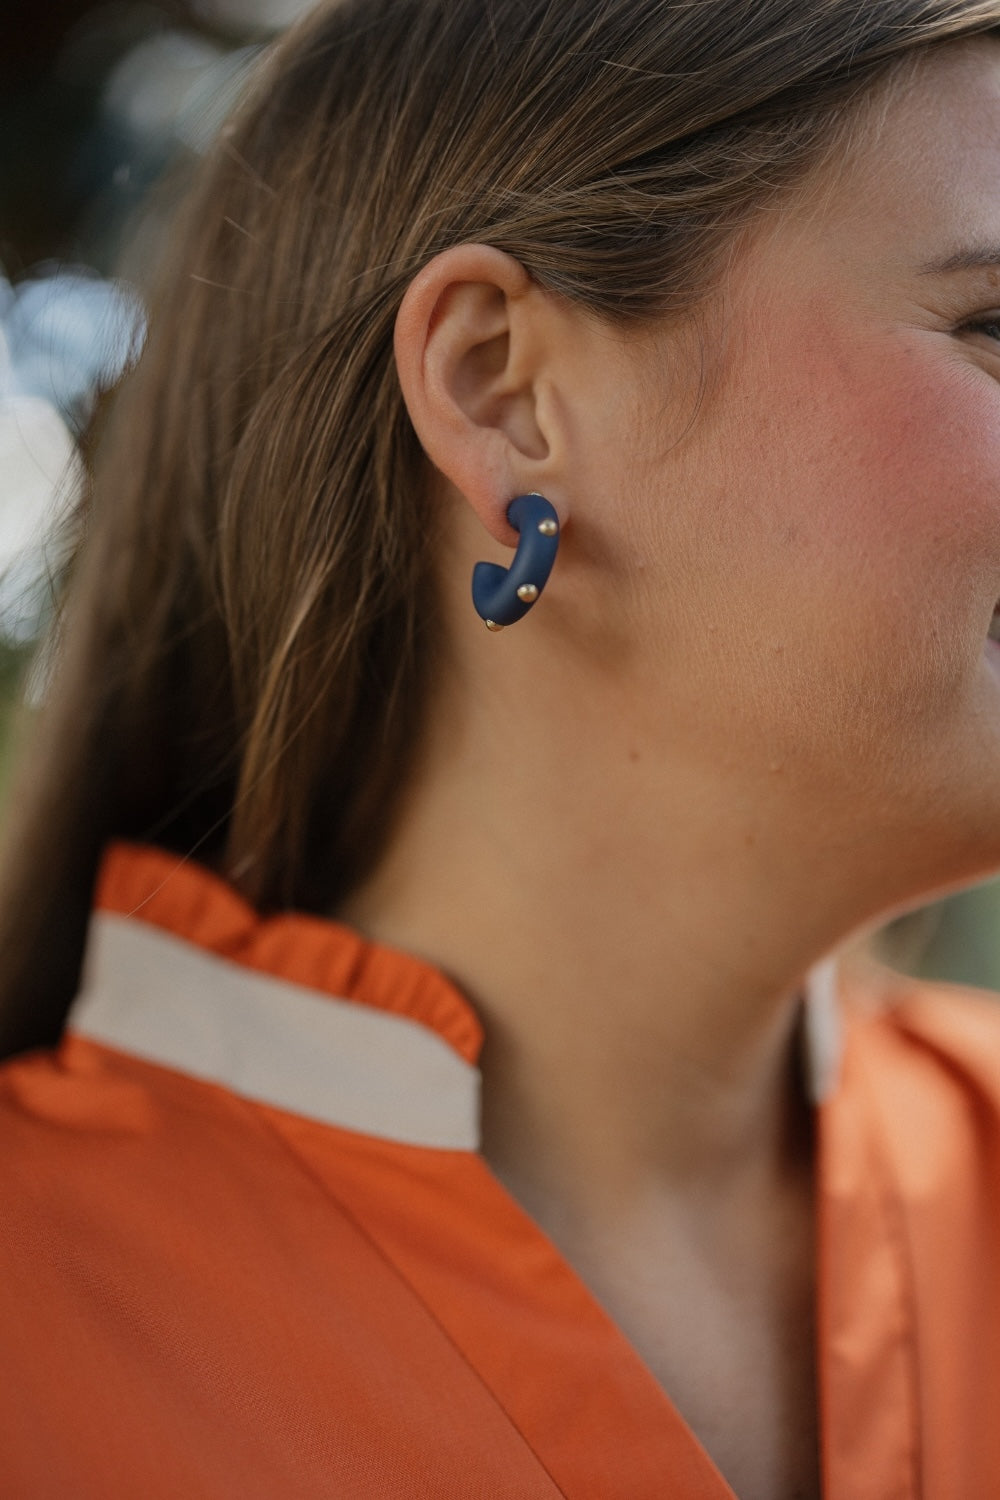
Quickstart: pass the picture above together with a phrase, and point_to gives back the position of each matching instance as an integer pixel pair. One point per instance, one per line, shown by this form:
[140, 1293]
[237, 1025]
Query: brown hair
[249, 626]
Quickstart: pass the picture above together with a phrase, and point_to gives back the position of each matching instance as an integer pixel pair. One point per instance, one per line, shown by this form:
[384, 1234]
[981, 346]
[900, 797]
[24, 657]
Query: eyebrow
[971, 258]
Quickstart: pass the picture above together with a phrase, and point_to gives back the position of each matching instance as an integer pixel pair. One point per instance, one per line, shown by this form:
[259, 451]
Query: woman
[711, 291]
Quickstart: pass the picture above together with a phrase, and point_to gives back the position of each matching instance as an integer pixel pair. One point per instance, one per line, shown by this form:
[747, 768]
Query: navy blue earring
[502, 596]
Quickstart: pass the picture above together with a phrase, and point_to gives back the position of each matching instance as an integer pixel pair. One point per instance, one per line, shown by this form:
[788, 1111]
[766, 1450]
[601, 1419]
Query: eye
[988, 326]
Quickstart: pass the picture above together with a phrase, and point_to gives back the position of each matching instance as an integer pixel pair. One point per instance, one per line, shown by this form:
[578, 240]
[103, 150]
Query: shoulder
[935, 1031]
[922, 1069]
[163, 1249]
[910, 1143]
[96, 1148]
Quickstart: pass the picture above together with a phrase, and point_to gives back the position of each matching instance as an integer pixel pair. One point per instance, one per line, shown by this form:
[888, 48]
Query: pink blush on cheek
[869, 504]
[909, 438]
[935, 449]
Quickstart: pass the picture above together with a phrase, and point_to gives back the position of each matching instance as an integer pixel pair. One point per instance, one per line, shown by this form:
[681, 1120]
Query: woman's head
[766, 639]
[255, 621]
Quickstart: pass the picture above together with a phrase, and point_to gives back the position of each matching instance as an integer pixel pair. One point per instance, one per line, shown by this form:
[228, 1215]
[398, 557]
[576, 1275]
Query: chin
[956, 838]
[938, 826]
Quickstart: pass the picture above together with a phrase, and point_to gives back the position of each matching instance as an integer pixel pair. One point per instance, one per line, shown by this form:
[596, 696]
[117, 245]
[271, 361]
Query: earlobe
[469, 358]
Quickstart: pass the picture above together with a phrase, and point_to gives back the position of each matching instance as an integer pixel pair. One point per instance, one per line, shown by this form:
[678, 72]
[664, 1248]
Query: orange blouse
[248, 1247]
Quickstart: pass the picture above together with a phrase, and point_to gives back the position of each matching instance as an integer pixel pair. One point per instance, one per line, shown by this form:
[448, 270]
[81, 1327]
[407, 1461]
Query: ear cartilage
[502, 596]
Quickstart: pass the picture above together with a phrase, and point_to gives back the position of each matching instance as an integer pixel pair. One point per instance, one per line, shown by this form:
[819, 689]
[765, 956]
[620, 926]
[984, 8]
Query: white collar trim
[822, 1031]
[158, 997]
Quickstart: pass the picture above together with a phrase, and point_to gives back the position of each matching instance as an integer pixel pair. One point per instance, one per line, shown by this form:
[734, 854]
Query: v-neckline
[523, 1318]
[565, 1372]
[534, 1332]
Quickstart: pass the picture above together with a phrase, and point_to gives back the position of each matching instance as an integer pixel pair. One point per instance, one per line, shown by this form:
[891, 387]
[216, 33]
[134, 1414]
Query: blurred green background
[97, 103]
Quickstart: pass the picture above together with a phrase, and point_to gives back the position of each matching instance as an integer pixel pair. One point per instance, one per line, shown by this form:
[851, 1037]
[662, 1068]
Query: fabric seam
[895, 1220]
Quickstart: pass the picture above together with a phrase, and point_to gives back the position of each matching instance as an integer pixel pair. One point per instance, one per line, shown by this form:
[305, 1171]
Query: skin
[755, 709]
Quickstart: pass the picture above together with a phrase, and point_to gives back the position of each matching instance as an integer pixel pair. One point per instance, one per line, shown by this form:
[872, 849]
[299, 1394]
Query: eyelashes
[989, 326]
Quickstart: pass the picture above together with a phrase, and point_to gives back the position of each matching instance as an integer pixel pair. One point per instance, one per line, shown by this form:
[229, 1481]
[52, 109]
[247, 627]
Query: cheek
[885, 483]
[856, 523]
[920, 476]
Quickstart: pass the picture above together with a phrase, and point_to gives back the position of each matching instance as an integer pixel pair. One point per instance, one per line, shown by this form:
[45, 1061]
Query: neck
[634, 935]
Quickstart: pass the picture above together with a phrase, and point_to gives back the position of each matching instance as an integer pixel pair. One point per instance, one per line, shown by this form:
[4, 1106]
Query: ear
[475, 359]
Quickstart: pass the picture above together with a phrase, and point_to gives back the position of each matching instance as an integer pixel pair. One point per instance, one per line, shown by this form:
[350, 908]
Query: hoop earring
[502, 596]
